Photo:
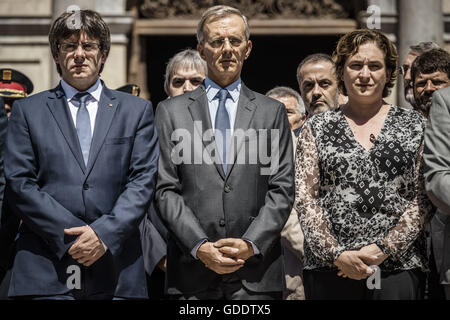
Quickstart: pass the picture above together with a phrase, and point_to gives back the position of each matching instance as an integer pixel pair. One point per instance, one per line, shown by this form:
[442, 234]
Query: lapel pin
[110, 105]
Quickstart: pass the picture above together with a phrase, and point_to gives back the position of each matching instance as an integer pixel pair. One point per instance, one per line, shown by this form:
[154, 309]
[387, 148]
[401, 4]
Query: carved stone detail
[259, 9]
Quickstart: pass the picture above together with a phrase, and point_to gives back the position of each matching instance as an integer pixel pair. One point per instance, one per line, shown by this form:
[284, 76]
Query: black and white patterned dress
[348, 197]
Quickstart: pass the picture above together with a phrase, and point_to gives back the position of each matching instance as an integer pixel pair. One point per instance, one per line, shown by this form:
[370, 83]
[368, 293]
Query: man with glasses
[224, 213]
[429, 73]
[80, 168]
[405, 68]
[185, 71]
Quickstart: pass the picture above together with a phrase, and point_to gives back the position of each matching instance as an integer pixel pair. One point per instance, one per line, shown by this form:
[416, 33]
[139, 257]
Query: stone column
[418, 21]
[386, 23]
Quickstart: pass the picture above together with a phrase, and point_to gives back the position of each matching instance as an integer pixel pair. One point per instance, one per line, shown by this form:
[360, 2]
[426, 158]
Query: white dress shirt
[231, 105]
[92, 106]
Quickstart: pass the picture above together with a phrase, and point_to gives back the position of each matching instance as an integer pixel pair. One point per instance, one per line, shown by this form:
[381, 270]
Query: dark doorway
[273, 61]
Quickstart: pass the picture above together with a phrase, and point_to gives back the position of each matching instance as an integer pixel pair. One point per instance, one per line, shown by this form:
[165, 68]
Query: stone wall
[24, 26]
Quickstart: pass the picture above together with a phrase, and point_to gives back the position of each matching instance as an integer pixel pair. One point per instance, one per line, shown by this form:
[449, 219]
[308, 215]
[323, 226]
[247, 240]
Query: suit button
[85, 186]
[227, 189]
[222, 222]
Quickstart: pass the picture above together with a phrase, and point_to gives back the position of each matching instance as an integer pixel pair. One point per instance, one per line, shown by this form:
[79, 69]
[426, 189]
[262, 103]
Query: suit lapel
[245, 110]
[107, 107]
[60, 111]
[199, 110]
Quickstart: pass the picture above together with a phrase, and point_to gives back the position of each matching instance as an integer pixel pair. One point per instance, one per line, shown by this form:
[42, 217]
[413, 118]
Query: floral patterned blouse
[348, 197]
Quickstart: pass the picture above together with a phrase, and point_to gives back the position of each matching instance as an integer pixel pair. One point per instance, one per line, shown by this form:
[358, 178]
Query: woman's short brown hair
[348, 46]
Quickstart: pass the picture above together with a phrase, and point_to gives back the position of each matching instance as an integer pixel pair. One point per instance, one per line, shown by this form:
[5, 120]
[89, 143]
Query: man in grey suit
[80, 168]
[224, 217]
[437, 181]
[430, 72]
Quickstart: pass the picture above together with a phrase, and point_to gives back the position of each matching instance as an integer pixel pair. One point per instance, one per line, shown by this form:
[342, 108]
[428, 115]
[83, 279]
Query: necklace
[353, 126]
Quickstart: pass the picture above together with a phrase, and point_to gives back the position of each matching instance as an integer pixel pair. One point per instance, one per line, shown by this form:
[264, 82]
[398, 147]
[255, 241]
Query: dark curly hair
[430, 62]
[348, 46]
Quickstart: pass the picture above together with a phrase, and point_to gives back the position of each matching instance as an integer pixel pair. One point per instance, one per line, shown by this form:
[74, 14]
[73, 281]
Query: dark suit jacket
[154, 240]
[198, 201]
[437, 178]
[3, 126]
[51, 189]
[6, 234]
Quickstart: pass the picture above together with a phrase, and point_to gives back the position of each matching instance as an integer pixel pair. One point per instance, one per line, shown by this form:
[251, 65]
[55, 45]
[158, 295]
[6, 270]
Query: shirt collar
[213, 88]
[95, 90]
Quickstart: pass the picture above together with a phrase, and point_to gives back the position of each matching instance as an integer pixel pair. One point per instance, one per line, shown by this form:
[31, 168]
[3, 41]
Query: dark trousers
[156, 285]
[435, 291]
[397, 285]
[229, 287]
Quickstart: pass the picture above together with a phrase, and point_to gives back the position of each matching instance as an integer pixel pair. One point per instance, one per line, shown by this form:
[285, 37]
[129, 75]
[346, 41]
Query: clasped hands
[225, 255]
[88, 247]
[355, 264]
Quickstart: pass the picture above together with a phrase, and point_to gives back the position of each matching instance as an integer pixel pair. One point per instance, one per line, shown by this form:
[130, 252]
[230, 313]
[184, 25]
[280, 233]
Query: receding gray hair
[280, 92]
[313, 58]
[423, 47]
[186, 59]
[216, 12]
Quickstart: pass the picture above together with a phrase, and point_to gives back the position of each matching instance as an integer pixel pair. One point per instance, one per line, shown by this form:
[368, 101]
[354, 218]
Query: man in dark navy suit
[80, 168]
[14, 85]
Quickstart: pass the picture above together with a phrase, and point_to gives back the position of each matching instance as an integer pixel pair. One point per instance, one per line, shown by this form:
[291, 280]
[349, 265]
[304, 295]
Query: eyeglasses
[68, 47]
[218, 43]
[403, 69]
[177, 82]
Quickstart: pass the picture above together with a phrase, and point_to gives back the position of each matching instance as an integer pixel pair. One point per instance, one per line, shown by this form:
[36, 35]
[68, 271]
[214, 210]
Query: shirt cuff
[195, 249]
[383, 248]
[255, 248]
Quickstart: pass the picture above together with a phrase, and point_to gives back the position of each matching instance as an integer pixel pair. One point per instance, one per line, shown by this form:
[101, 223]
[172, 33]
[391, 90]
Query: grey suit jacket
[197, 201]
[437, 178]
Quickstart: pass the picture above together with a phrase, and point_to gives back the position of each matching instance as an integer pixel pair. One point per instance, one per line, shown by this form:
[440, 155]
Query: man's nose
[187, 86]
[79, 51]
[408, 75]
[226, 45]
[317, 91]
[430, 86]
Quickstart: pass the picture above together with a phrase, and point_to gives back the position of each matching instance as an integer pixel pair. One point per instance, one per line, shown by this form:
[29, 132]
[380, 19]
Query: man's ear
[249, 49]
[103, 57]
[200, 50]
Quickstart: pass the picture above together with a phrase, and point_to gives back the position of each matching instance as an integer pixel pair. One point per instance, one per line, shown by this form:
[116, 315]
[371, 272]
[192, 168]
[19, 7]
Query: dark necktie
[222, 125]
[83, 123]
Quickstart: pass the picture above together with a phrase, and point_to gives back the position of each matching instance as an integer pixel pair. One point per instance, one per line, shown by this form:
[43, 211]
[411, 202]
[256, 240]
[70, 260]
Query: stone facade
[24, 26]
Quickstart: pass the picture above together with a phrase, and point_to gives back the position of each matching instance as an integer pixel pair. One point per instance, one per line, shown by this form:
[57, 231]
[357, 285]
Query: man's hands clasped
[225, 255]
[88, 247]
